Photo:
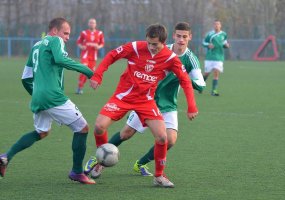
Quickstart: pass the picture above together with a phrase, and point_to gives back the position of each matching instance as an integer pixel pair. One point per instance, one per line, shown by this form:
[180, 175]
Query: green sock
[79, 149]
[116, 139]
[215, 84]
[149, 156]
[24, 142]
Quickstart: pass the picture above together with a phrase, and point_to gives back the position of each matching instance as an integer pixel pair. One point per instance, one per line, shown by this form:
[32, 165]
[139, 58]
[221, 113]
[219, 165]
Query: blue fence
[241, 49]
[20, 46]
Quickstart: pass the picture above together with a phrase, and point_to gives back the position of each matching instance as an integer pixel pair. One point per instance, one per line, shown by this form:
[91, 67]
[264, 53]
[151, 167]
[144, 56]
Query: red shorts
[116, 109]
[90, 63]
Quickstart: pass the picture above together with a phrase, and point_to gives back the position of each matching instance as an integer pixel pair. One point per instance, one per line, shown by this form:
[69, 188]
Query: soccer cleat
[90, 165]
[162, 181]
[97, 171]
[142, 169]
[79, 91]
[215, 93]
[82, 178]
[3, 164]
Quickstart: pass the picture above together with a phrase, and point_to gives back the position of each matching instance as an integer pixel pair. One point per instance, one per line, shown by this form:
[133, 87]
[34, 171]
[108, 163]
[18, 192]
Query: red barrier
[272, 39]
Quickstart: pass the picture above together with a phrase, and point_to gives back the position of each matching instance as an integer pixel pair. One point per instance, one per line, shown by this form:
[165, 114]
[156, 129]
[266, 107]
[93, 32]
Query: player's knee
[170, 145]
[171, 140]
[99, 128]
[127, 133]
[43, 134]
[85, 129]
[79, 126]
[161, 139]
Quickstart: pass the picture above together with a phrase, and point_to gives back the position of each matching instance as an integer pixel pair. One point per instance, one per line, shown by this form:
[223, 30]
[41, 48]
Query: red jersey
[140, 79]
[87, 36]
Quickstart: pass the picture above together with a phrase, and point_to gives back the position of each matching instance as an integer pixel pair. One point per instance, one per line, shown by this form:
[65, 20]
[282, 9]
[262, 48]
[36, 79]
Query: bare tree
[128, 18]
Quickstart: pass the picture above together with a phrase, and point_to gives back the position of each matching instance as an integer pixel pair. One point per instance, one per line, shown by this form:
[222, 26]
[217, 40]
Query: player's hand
[227, 45]
[211, 46]
[96, 46]
[92, 44]
[94, 84]
[191, 116]
[82, 47]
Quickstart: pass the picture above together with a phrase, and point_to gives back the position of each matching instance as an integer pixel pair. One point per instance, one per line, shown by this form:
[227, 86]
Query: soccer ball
[107, 155]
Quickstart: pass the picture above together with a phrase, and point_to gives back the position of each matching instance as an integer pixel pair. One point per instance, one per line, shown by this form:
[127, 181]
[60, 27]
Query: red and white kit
[88, 56]
[137, 86]
[87, 36]
[139, 81]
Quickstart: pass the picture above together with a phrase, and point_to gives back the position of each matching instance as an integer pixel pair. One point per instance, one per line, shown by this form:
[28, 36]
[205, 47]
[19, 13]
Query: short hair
[217, 20]
[57, 23]
[183, 26]
[157, 31]
[92, 19]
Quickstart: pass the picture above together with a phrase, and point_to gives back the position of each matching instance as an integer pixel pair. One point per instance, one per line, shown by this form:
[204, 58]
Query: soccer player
[215, 42]
[43, 79]
[89, 41]
[148, 62]
[166, 100]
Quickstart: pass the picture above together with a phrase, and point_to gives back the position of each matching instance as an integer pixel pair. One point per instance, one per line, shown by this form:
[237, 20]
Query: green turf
[233, 150]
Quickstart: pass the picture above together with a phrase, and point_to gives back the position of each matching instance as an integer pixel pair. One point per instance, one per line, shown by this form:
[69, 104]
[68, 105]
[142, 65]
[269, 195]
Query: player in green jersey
[166, 99]
[43, 79]
[215, 42]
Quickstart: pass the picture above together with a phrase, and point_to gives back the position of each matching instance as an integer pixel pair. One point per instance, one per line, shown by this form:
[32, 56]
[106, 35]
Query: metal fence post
[9, 47]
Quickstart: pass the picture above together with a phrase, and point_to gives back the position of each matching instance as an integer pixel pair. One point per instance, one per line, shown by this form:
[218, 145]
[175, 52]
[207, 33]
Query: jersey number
[36, 59]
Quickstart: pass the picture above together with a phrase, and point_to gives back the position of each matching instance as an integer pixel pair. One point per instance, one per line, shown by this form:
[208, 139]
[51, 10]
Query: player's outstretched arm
[186, 84]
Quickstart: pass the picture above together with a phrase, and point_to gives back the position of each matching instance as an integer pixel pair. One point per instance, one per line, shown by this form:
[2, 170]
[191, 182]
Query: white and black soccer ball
[107, 155]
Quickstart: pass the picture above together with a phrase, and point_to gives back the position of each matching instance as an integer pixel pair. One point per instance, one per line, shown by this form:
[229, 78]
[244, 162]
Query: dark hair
[57, 23]
[157, 31]
[183, 26]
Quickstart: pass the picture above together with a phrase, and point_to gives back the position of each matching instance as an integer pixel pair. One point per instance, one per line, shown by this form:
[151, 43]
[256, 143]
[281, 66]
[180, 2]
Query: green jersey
[43, 75]
[218, 40]
[167, 90]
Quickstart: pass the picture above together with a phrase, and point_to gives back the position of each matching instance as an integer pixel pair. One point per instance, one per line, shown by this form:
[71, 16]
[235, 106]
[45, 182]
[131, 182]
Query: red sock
[82, 80]
[101, 139]
[160, 151]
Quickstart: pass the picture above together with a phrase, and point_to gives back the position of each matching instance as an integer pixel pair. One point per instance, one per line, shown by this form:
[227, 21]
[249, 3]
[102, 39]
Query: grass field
[234, 149]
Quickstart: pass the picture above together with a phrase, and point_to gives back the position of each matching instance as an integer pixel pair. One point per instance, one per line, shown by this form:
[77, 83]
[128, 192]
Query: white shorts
[170, 120]
[67, 114]
[210, 65]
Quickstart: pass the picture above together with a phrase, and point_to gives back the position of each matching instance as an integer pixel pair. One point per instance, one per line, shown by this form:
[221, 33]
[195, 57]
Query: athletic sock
[215, 84]
[149, 156]
[101, 139]
[116, 139]
[24, 142]
[79, 149]
[160, 152]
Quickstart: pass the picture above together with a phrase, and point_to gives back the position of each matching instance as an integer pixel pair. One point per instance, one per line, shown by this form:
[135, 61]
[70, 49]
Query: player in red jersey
[89, 41]
[148, 62]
